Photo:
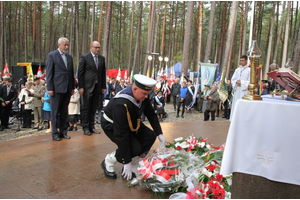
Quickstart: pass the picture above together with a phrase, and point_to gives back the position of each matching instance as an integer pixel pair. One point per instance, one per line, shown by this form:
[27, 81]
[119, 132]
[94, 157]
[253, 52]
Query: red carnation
[178, 148]
[211, 167]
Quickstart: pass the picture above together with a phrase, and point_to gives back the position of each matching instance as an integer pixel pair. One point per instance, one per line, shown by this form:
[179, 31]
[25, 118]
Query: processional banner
[207, 74]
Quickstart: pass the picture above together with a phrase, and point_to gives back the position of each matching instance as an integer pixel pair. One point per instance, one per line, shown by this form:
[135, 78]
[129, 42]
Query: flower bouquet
[167, 170]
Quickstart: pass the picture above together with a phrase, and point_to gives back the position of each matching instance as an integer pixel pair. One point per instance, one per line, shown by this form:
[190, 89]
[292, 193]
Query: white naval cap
[144, 82]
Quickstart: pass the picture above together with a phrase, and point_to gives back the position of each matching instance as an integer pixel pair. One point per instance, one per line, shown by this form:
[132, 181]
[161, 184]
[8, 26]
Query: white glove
[162, 144]
[127, 171]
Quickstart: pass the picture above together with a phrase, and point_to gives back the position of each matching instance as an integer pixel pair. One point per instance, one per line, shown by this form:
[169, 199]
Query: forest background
[184, 31]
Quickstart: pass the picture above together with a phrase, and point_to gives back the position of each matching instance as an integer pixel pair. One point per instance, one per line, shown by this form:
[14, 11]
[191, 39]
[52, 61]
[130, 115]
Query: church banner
[207, 74]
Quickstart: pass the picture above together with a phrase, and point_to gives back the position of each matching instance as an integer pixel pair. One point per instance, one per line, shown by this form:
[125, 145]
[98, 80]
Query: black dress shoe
[39, 129]
[7, 127]
[87, 132]
[75, 129]
[66, 136]
[70, 128]
[56, 138]
[1, 129]
[110, 175]
[177, 116]
[94, 131]
[182, 116]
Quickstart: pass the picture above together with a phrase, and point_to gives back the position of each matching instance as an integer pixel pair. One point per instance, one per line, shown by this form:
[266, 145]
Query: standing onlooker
[226, 103]
[38, 94]
[240, 81]
[212, 104]
[204, 98]
[8, 94]
[120, 86]
[175, 91]
[26, 104]
[182, 99]
[74, 109]
[159, 105]
[107, 92]
[60, 85]
[46, 111]
[189, 95]
[91, 79]
[112, 87]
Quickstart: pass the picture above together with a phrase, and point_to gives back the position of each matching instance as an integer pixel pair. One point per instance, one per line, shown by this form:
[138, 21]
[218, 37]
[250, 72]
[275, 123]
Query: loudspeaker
[19, 74]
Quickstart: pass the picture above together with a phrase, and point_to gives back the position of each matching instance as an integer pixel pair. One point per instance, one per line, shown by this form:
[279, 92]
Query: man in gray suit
[60, 86]
[91, 79]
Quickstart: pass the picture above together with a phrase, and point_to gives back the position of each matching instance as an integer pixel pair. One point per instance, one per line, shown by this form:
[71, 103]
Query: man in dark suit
[121, 86]
[60, 86]
[91, 79]
[8, 94]
[112, 87]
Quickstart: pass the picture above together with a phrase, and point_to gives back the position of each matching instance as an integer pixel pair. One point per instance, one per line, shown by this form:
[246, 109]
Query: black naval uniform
[116, 125]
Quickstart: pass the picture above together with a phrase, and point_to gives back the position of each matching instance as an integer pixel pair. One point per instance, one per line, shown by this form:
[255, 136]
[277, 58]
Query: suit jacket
[59, 77]
[89, 75]
[38, 94]
[113, 89]
[11, 96]
[213, 103]
[119, 88]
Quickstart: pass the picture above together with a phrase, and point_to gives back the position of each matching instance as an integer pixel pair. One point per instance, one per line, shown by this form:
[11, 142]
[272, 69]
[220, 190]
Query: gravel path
[11, 134]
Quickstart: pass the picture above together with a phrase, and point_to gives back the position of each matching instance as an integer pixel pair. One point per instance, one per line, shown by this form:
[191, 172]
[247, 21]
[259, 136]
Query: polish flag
[39, 73]
[119, 75]
[5, 71]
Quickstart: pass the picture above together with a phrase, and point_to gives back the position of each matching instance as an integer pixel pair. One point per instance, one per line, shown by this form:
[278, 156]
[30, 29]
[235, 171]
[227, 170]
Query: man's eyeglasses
[97, 47]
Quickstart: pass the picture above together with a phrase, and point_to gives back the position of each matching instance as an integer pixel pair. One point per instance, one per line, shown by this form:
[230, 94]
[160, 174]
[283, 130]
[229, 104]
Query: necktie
[96, 61]
[8, 90]
[65, 59]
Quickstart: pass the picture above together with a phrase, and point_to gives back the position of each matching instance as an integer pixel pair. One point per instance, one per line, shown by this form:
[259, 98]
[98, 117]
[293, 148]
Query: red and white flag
[6, 72]
[119, 75]
[39, 73]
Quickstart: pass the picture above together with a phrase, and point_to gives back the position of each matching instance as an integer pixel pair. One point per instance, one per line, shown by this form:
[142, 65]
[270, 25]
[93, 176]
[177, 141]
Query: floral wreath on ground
[188, 168]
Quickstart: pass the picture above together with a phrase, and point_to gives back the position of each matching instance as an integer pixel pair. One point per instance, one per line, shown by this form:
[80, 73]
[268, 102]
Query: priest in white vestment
[240, 81]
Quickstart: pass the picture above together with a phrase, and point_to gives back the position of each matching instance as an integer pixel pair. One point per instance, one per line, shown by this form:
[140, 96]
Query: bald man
[91, 79]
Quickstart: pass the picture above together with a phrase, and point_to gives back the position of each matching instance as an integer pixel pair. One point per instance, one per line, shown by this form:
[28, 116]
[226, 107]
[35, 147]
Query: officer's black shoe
[56, 138]
[177, 116]
[182, 116]
[1, 129]
[66, 136]
[110, 175]
[94, 131]
[87, 132]
[70, 128]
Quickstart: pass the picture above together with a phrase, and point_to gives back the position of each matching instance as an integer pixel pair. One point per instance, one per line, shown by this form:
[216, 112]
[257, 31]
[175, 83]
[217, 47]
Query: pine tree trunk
[93, 21]
[150, 36]
[230, 35]
[136, 51]
[210, 31]
[107, 27]
[187, 39]
[77, 31]
[294, 62]
[267, 65]
[200, 34]
[131, 33]
[286, 35]
[100, 21]
[33, 31]
[279, 33]
[155, 34]
[2, 61]
[245, 28]
[71, 29]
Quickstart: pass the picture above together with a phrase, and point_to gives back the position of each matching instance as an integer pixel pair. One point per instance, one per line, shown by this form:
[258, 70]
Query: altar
[262, 149]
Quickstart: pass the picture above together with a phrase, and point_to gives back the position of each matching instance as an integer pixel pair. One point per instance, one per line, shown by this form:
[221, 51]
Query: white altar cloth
[264, 140]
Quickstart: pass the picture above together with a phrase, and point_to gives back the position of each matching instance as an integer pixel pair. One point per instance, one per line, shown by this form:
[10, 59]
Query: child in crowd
[74, 109]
